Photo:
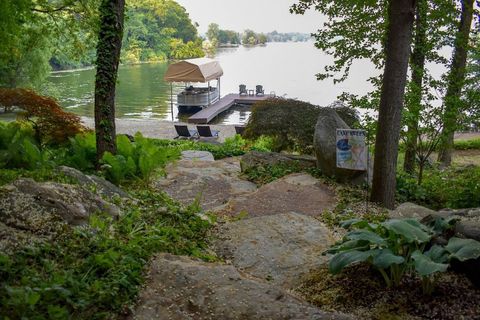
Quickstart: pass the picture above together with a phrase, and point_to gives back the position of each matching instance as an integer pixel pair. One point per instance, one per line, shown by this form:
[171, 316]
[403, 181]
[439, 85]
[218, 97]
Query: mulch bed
[361, 292]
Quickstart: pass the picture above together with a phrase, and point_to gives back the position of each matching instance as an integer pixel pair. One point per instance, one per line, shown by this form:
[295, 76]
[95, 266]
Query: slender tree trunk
[456, 81]
[399, 38]
[418, 69]
[108, 58]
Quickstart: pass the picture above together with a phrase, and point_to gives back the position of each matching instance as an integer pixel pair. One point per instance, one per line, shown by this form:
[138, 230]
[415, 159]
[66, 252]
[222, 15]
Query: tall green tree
[33, 30]
[414, 103]
[213, 32]
[456, 82]
[399, 38]
[108, 58]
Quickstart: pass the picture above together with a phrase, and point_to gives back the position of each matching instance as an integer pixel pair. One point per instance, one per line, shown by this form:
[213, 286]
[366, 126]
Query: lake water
[288, 69]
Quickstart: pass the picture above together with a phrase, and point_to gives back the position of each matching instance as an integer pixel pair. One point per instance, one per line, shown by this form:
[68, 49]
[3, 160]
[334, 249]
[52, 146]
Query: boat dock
[209, 113]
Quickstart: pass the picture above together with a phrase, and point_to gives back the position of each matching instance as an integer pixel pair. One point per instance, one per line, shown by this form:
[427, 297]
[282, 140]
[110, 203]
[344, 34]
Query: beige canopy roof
[194, 70]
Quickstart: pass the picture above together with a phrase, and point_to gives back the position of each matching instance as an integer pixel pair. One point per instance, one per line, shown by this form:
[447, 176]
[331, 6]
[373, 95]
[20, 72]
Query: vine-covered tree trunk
[456, 81]
[399, 37]
[108, 58]
[417, 64]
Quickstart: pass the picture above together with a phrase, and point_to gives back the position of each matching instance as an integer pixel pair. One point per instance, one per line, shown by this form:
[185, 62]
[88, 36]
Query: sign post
[353, 153]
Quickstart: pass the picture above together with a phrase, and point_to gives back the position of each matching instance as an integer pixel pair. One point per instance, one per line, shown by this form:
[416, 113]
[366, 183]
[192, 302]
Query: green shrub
[396, 247]
[290, 123]
[265, 174]
[138, 159]
[81, 153]
[472, 144]
[232, 147]
[95, 272]
[19, 149]
[449, 188]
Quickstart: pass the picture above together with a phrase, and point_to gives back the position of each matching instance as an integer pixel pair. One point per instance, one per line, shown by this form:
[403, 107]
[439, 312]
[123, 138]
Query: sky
[258, 15]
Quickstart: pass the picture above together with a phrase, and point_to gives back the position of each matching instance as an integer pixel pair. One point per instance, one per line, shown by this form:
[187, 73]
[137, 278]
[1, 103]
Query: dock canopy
[194, 70]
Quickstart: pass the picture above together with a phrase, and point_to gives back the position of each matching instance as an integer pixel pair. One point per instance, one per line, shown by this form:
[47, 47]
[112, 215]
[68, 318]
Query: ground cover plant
[397, 247]
[454, 187]
[470, 144]
[94, 272]
[359, 291]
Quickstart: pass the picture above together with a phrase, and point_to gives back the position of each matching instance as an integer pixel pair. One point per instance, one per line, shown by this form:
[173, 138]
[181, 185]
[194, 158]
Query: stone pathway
[297, 192]
[180, 288]
[278, 248]
[275, 240]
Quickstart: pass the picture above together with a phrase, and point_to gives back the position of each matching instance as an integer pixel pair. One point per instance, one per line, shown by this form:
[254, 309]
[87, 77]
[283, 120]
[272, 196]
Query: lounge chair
[239, 130]
[205, 131]
[184, 132]
[259, 90]
[243, 89]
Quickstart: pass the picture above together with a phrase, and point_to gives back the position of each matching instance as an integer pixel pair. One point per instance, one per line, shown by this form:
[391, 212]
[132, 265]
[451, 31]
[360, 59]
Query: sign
[351, 149]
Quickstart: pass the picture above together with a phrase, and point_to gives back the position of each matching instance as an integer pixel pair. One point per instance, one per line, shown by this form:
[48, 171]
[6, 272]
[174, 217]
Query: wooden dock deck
[209, 113]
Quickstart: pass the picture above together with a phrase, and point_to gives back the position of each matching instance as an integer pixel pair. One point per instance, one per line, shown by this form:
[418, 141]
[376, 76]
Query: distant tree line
[275, 36]
[219, 37]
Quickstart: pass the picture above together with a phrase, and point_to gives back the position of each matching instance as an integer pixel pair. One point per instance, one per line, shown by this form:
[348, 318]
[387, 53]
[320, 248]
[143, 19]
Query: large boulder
[324, 143]
[255, 159]
[180, 288]
[31, 211]
[278, 248]
[411, 210]
[102, 186]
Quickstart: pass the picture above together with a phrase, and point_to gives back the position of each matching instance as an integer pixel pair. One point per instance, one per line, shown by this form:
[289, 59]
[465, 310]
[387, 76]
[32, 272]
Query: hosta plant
[396, 247]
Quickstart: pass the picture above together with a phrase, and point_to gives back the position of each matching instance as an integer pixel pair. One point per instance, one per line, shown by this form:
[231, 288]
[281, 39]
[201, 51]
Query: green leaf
[463, 249]
[360, 245]
[411, 231]
[437, 254]
[425, 266]
[346, 258]
[366, 235]
[385, 258]
[32, 298]
[353, 222]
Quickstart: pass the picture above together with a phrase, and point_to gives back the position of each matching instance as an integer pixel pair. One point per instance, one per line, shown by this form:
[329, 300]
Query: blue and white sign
[351, 149]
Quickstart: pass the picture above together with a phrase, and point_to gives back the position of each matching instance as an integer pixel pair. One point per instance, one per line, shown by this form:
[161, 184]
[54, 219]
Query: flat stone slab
[197, 155]
[278, 248]
[214, 183]
[180, 288]
[297, 192]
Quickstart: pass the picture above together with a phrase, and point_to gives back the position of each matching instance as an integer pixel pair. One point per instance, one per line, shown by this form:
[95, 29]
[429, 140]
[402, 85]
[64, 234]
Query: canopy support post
[209, 93]
[171, 100]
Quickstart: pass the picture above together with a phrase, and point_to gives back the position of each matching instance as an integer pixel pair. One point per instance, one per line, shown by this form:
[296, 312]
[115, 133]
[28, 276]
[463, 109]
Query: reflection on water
[284, 68]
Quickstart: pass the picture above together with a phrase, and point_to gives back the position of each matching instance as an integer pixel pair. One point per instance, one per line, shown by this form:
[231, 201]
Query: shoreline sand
[160, 129]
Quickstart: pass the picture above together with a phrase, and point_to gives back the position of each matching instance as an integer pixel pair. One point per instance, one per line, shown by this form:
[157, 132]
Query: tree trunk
[399, 37]
[418, 69]
[108, 58]
[456, 81]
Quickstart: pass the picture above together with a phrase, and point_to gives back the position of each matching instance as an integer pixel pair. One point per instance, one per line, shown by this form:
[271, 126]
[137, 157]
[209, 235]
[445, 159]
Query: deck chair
[239, 130]
[259, 90]
[243, 89]
[184, 132]
[205, 131]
